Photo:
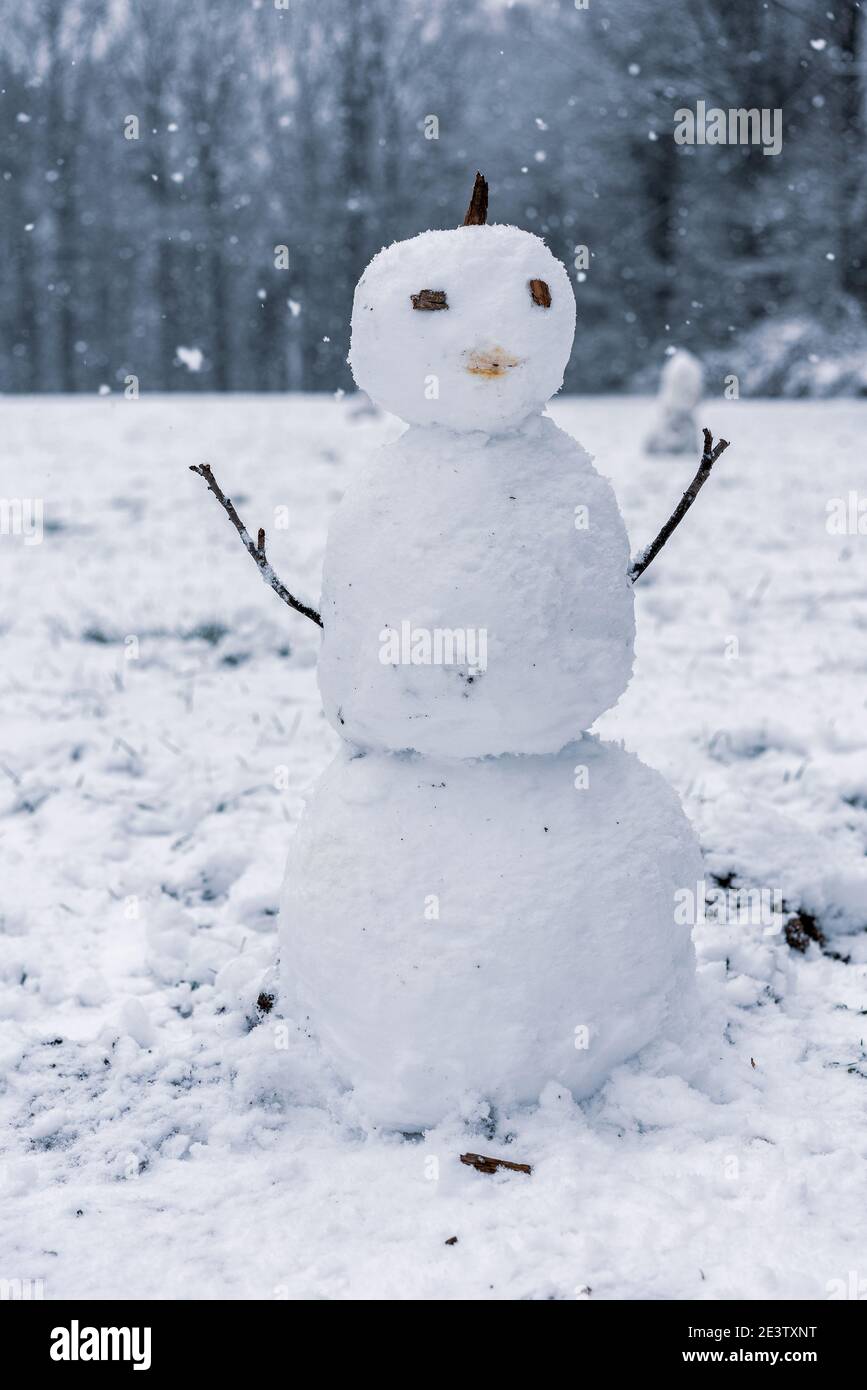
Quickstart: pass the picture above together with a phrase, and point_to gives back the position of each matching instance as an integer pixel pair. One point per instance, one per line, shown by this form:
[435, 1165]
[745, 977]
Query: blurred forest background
[305, 124]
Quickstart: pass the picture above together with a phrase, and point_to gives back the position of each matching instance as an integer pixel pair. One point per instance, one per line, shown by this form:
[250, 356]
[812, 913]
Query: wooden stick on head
[477, 212]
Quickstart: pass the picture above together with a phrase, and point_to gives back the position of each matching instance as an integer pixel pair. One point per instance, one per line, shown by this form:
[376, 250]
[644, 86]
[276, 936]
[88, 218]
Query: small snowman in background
[675, 430]
[479, 898]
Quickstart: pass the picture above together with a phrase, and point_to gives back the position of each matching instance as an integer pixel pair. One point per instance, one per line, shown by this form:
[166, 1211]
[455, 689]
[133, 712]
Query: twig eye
[540, 293]
[429, 299]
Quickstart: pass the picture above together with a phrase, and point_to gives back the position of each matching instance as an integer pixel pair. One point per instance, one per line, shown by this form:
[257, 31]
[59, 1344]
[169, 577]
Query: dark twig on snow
[257, 549]
[708, 459]
[483, 1164]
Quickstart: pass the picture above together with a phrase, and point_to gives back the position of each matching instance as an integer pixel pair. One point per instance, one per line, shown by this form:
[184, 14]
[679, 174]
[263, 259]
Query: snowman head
[470, 328]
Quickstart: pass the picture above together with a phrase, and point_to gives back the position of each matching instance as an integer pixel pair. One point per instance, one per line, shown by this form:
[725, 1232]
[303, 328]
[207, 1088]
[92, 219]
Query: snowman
[674, 430]
[480, 896]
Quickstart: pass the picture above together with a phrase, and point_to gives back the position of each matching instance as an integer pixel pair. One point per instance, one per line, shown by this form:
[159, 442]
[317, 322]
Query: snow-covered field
[161, 1138]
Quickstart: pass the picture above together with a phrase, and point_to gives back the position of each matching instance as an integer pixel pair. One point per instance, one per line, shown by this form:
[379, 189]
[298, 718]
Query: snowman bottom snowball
[454, 928]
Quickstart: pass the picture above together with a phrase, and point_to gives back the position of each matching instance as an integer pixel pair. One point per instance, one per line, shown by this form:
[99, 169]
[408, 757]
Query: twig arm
[708, 459]
[257, 549]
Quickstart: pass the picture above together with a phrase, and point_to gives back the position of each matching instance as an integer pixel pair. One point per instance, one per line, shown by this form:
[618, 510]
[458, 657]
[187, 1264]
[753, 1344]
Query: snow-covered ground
[161, 1138]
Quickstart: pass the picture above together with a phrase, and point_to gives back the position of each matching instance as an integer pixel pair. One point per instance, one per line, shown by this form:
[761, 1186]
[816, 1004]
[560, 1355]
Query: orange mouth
[495, 362]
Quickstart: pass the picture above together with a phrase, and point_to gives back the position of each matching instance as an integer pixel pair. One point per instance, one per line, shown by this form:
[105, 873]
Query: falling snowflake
[192, 358]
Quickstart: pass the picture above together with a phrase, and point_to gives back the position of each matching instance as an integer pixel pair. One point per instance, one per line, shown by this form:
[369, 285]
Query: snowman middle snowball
[475, 595]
